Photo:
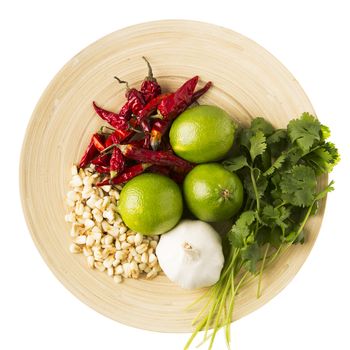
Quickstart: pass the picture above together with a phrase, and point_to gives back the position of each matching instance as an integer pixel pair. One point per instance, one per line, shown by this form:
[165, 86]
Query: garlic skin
[191, 254]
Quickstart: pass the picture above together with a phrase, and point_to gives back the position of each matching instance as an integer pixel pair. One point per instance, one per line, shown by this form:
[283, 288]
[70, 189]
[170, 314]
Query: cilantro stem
[258, 292]
[303, 222]
[230, 310]
[252, 177]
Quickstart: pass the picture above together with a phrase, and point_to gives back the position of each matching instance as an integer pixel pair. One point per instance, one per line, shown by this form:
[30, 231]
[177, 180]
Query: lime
[150, 204]
[202, 134]
[213, 193]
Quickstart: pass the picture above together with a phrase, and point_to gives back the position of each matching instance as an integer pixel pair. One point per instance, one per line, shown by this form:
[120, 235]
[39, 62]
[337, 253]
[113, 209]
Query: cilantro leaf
[236, 163]
[325, 132]
[251, 255]
[298, 186]
[324, 192]
[276, 164]
[304, 131]
[324, 158]
[241, 229]
[257, 145]
[270, 235]
[260, 124]
[275, 216]
[278, 136]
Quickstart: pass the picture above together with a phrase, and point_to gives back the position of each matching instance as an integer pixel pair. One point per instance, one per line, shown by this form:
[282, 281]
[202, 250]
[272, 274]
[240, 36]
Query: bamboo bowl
[248, 82]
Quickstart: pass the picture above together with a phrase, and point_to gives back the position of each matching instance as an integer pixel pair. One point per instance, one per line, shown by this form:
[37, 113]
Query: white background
[311, 38]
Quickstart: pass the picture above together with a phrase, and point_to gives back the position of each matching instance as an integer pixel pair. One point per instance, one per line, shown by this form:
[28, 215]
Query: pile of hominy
[99, 233]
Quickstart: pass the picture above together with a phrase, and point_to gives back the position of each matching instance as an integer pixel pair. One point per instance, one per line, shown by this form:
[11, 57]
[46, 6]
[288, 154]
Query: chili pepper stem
[122, 82]
[150, 72]
[105, 127]
[109, 148]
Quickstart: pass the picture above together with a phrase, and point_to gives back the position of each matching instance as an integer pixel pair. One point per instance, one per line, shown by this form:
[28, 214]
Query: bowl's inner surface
[248, 82]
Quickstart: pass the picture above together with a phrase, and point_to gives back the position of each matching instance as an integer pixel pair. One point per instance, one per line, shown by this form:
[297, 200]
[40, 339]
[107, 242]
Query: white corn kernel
[80, 240]
[76, 181]
[87, 215]
[130, 239]
[142, 266]
[90, 240]
[87, 251]
[97, 215]
[75, 229]
[110, 271]
[152, 259]
[109, 215]
[98, 204]
[138, 238]
[99, 266]
[127, 269]
[70, 203]
[144, 258]
[151, 274]
[108, 262]
[153, 244]
[74, 170]
[125, 245]
[73, 196]
[91, 201]
[109, 239]
[117, 278]
[105, 226]
[119, 270]
[91, 261]
[119, 255]
[106, 188]
[105, 202]
[137, 258]
[141, 248]
[88, 223]
[75, 249]
[122, 237]
[79, 208]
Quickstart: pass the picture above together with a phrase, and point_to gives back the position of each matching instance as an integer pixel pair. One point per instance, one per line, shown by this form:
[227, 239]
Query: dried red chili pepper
[119, 136]
[151, 106]
[116, 120]
[159, 169]
[137, 143]
[90, 153]
[201, 91]
[117, 162]
[171, 106]
[155, 157]
[127, 175]
[102, 169]
[161, 126]
[149, 87]
[135, 99]
[98, 142]
[102, 159]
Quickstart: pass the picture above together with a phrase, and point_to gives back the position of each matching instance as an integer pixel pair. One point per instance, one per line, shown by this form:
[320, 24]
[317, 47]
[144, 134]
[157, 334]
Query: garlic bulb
[191, 254]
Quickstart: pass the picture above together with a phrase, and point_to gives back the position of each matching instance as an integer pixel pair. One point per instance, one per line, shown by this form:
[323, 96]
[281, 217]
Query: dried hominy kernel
[75, 249]
[117, 278]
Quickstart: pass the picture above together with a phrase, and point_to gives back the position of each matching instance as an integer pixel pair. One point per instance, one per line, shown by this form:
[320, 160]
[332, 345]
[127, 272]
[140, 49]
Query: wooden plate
[248, 82]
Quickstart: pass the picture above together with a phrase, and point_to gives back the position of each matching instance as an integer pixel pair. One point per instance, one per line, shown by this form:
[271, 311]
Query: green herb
[279, 170]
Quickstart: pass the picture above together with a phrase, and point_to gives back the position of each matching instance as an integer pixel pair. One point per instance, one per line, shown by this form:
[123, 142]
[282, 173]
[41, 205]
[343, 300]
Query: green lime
[150, 204]
[202, 134]
[213, 193]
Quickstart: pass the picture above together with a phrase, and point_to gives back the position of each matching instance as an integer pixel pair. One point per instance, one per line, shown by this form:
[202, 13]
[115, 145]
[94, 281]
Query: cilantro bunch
[279, 170]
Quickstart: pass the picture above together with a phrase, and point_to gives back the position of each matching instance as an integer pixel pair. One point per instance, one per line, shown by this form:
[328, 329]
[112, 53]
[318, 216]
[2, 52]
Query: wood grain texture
[248, 82]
